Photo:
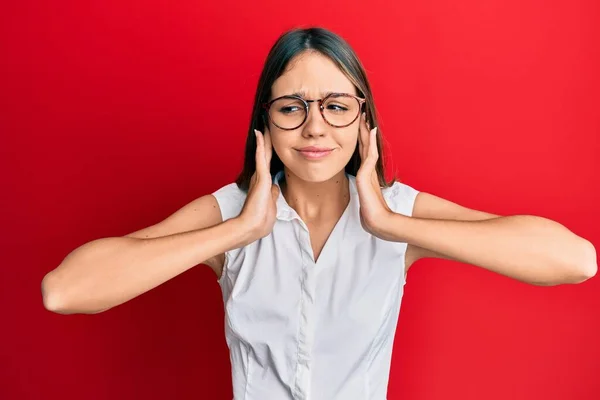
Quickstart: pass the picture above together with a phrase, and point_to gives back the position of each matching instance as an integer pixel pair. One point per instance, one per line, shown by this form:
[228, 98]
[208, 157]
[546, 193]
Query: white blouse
[302, 330]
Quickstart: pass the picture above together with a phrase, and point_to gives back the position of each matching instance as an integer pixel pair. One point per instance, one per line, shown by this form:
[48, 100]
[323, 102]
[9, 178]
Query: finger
[360, 142]
[363, 137]
[268, 148]
[373, 153]
[260, 153]
[373, 144]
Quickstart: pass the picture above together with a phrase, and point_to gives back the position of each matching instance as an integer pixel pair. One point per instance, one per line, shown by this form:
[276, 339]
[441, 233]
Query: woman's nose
[315, 124]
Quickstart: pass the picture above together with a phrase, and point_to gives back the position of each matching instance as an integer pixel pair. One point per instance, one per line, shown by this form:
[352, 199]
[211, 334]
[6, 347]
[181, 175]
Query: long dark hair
[287, 46]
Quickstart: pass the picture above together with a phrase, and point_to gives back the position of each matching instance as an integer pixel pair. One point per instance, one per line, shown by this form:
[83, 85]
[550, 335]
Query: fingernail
[364, 115]
[255, 133]
[374, 131]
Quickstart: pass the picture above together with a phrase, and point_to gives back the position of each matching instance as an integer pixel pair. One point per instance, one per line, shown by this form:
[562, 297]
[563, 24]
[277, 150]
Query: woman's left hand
[374, 211]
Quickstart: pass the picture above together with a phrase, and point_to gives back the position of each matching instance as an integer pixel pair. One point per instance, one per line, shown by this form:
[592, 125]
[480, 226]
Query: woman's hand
[260, 208]
[374, 211]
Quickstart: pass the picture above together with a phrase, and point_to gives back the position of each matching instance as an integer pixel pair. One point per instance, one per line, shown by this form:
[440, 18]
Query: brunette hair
[289, 45]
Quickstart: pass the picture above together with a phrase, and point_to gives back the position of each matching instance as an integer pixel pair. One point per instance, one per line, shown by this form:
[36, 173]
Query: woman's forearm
[527, 248]
[107, 272]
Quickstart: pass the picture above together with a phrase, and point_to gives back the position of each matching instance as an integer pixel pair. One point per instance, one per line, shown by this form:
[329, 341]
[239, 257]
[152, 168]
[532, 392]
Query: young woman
[311, 245]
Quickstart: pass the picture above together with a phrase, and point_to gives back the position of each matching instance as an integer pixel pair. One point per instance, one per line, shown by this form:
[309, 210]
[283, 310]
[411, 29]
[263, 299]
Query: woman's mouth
[314, 155]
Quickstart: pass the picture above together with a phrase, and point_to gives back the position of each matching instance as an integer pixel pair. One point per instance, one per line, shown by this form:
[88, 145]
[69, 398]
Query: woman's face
[314, 74]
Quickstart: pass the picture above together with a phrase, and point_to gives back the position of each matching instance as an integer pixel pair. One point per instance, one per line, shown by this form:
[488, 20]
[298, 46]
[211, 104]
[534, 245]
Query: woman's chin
[316, 173]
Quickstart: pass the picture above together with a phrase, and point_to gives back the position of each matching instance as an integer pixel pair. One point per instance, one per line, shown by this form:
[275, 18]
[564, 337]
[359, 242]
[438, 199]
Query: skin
[107, 272]
[317, 189]
[522, 247]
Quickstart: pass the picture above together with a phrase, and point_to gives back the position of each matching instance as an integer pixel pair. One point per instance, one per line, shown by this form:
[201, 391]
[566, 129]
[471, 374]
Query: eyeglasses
[290, 112]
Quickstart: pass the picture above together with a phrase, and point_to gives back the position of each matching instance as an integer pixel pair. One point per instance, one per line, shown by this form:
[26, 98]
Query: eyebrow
[302, 93]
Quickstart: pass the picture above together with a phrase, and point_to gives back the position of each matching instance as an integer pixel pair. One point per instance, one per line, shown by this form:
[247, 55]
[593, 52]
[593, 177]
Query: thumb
[259, 155]
[275, 192]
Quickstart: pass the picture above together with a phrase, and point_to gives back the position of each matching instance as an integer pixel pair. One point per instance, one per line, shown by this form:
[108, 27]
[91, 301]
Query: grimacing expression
[314, 74]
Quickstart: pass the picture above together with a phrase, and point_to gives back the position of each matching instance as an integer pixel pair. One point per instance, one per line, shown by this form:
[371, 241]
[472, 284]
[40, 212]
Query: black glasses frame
[361, 101]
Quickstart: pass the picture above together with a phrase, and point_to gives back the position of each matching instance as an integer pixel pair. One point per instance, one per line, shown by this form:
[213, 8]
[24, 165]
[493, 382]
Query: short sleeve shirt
[305, 330]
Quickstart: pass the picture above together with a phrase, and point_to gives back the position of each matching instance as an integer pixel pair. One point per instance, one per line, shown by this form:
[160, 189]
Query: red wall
[115, 114]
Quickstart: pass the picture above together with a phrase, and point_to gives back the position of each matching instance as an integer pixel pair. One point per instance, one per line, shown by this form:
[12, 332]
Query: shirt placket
[306, 328]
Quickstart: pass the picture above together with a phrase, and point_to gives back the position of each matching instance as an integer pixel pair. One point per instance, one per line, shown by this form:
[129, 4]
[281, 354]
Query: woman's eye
[288, 110]
[335, 107]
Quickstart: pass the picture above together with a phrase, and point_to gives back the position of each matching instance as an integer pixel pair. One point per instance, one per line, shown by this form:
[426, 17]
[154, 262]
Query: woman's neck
[314, 201]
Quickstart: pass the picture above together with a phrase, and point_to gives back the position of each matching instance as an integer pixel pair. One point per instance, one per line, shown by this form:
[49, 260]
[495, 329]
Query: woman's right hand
[260, 208]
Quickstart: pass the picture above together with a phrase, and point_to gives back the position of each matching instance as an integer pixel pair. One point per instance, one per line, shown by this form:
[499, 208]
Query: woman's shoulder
[400, 197]
[230, 189]
[230, 198]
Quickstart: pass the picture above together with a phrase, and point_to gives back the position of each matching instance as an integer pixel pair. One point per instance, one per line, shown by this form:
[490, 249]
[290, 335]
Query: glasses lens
[341, 110]
[287, 112]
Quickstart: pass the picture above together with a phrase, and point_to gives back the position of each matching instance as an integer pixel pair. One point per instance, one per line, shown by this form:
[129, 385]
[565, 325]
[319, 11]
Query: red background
[115, 114]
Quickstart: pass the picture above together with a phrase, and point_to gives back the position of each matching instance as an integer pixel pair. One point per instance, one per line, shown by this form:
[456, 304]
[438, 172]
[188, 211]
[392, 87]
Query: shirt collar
[287, 213]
